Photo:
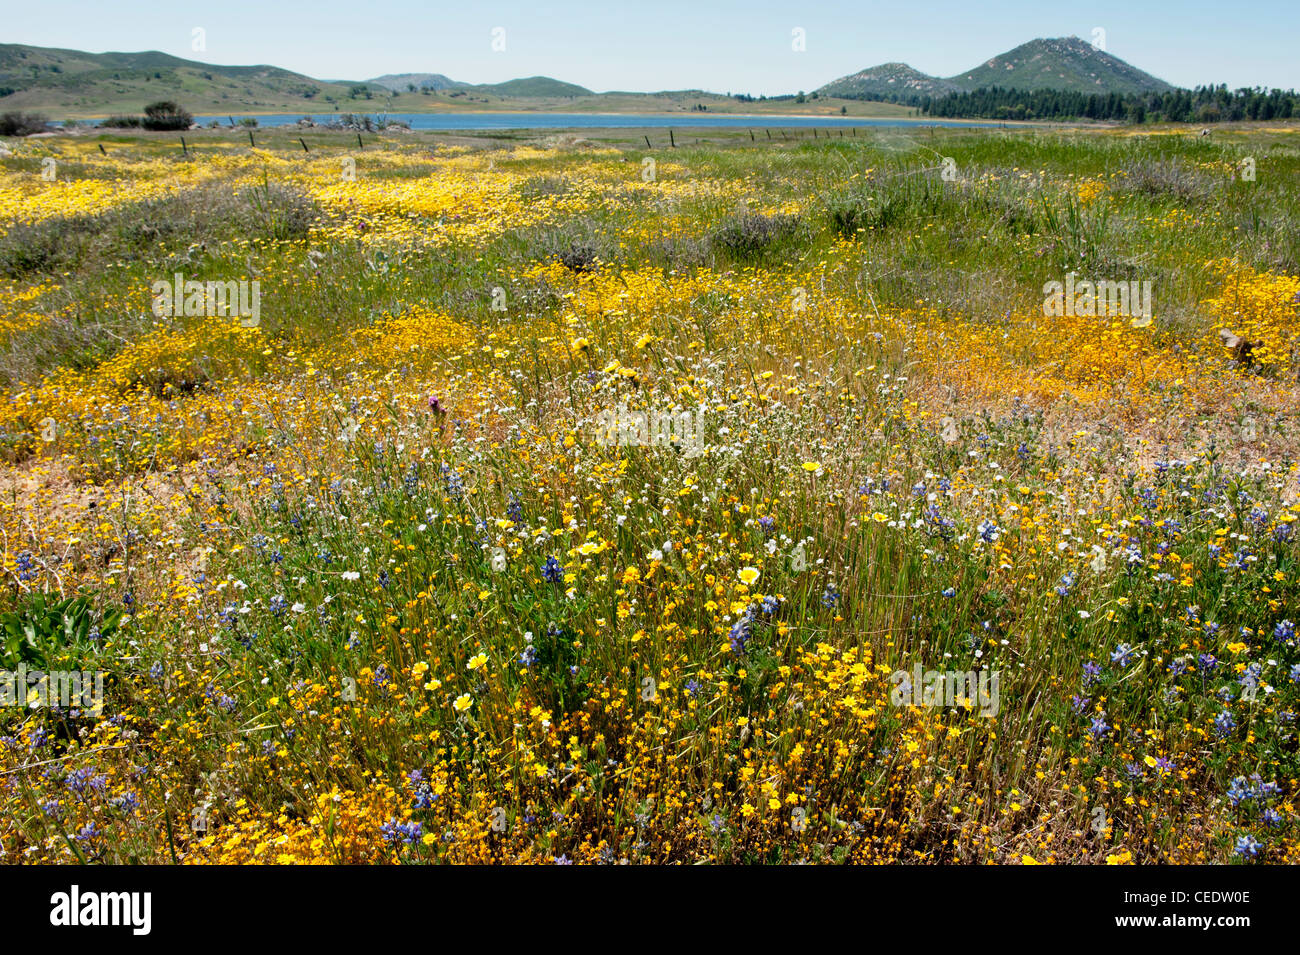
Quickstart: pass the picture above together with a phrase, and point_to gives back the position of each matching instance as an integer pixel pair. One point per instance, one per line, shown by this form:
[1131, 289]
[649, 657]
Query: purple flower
[1247, 846]
[552, 571]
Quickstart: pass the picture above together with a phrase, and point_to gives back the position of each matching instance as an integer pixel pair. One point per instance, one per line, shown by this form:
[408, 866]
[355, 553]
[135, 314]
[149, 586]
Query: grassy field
[367, 580]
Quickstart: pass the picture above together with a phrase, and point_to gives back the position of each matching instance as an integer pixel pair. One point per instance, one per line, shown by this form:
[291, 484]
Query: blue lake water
[480, 121]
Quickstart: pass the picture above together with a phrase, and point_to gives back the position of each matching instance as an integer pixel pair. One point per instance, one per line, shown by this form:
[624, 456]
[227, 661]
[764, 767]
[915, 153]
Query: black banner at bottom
[142, 906]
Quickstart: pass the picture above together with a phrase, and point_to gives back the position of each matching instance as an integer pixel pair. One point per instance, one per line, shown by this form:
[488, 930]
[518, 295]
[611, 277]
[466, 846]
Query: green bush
[165, 115]
[14, 123]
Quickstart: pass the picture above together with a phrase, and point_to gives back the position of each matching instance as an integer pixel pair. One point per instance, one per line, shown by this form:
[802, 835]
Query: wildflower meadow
[908, 496]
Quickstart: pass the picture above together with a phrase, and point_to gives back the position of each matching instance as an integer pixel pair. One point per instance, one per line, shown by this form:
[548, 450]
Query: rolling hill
[528, 87]
[1063, 63]
[398, 82]
[887, 81]
[535, 86]
[74, 82]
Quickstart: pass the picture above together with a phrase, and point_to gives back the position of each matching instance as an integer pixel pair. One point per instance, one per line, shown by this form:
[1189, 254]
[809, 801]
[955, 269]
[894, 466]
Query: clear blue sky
[717, 45]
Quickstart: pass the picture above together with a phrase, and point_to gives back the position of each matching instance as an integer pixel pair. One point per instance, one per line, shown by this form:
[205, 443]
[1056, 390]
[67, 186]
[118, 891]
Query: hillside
[402, 82]
[1063, 63]
[76, 83]
[888, 81]
[528, 87]
[535, 86]
[70, 84]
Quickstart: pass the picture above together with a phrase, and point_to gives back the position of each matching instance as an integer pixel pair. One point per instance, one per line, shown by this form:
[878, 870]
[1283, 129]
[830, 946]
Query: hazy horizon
[726, 47]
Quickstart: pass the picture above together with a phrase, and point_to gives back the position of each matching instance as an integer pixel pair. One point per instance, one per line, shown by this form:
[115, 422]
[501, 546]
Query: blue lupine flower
[1246, 846]
[26, 568]
[1250, 676]
[552, 571]
[741, 631]
[406, 832]
[424, 796]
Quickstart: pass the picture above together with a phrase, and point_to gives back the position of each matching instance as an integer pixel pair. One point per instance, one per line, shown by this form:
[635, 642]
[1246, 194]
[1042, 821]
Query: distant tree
[166, 114]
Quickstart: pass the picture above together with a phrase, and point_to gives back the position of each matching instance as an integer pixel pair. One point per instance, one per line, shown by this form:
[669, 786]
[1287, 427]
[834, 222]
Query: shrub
[14, 123]
[578, 257]
[165, 115]
[1170, 179]
[751, 235]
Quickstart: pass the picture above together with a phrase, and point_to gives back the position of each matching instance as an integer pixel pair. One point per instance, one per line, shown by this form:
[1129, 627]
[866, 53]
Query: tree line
[1204, 104]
